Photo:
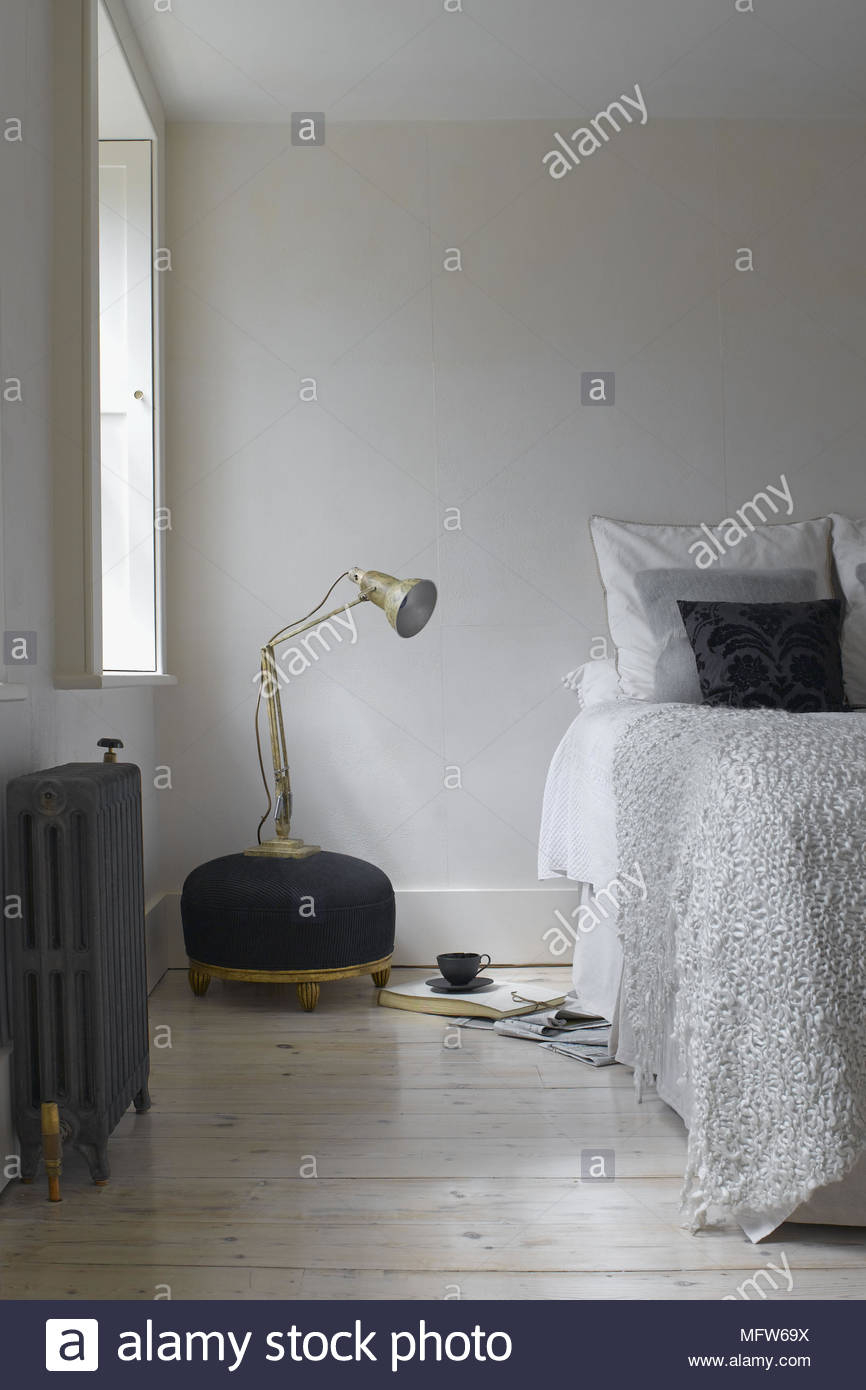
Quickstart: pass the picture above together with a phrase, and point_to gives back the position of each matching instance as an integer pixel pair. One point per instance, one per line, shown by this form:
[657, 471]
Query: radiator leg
[142, 1100]
[308, 993]
[198, 981]
[96, 1156]
[52, 1148]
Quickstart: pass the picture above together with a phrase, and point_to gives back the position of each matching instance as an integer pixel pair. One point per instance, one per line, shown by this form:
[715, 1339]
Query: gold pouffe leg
[308, 994]
[198, 981]
[52, 1149]
[381, 977]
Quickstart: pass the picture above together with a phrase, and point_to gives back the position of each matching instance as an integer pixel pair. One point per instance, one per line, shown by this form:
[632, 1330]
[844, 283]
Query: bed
[728, 949]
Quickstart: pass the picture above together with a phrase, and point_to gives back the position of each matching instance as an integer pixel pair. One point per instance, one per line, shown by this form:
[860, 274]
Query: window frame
[77, 462]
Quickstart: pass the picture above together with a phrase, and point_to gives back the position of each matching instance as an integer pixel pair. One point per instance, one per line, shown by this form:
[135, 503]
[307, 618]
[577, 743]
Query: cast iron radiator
[76, 960]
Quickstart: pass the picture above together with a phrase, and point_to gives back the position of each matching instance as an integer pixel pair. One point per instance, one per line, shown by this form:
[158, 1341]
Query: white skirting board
[163, 937]
[510, 924]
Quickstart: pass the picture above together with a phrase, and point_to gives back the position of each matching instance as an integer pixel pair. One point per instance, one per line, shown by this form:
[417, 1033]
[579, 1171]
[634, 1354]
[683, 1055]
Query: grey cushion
[659, 589]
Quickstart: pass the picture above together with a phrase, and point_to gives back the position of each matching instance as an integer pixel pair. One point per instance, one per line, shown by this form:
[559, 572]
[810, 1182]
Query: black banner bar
[598, 1344]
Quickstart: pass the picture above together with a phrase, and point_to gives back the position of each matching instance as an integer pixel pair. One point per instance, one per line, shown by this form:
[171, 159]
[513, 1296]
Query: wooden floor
[359, 1152]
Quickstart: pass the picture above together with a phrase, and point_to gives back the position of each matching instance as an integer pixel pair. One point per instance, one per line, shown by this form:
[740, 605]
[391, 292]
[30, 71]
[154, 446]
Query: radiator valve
[111, 746]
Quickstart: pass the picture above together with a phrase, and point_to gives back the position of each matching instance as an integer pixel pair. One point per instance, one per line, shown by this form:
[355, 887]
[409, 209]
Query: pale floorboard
[442, 1171]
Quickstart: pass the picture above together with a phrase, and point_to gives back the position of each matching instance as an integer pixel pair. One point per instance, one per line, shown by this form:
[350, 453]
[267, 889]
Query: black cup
[461, 967]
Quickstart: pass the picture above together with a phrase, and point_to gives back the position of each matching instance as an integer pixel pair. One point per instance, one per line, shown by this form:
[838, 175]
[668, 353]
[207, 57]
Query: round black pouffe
[326, 917]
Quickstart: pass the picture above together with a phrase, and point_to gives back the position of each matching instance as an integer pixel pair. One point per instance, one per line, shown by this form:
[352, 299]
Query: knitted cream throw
[750, 830]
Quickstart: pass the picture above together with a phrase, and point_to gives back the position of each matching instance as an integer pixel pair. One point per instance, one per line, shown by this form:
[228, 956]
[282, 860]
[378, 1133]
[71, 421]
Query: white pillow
[849, 552]
[594, 682]
[645, 569]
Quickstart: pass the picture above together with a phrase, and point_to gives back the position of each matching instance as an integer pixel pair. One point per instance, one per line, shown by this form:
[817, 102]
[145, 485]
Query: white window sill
[12, 692]
[112, 680]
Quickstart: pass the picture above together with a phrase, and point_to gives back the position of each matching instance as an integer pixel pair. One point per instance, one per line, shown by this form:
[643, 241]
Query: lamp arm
[294, 630]
[269, 690]
[406, 603]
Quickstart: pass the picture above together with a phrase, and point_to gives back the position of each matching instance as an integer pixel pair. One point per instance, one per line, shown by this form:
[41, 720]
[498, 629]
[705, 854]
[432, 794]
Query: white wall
[440, 390]
[48, 726]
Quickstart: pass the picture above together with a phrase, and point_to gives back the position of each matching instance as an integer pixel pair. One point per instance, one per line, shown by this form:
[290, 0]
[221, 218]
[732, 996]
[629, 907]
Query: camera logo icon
[71, 1344]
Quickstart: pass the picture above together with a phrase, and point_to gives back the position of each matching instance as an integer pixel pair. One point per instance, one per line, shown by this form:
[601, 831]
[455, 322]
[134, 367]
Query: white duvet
[578, 837]
[578, 822]
[758, 843]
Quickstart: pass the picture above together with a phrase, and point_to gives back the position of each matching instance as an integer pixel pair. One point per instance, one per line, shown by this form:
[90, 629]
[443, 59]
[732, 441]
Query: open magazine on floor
[556, 1024]
[566, 1030]
[594, 1056]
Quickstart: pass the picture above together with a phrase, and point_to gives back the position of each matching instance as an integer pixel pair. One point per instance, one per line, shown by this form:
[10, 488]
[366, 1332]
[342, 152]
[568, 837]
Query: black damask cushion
[768, 655]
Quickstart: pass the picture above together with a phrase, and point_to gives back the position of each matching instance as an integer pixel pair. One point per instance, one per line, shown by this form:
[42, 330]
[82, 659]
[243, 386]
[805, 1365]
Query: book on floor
[500, 999]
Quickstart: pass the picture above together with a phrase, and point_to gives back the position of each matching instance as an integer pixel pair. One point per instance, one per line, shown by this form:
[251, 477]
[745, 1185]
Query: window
[129, 549]
[106, 367]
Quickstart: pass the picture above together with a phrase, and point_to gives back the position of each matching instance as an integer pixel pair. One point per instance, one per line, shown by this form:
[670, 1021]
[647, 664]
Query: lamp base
[283, 849]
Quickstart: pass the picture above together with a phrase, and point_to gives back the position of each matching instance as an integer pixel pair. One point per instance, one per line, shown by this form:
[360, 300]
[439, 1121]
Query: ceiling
[403, 60]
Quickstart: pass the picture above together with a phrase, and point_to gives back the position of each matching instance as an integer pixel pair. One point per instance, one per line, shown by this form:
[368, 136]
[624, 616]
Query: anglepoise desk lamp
[407, 604]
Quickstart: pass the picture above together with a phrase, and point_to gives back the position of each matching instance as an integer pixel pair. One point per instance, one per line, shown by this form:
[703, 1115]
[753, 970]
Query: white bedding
[578, 825]
[579, 841]
[578, 838]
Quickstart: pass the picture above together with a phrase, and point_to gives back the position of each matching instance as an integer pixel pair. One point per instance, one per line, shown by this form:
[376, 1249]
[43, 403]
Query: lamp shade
[406, 603]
